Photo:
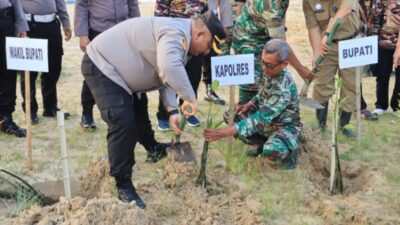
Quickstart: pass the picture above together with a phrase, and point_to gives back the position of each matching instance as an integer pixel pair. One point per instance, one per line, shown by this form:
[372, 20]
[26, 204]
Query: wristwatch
[326, 33]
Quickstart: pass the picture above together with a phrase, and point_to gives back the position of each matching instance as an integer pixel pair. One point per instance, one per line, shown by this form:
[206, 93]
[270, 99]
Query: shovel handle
[320, 59]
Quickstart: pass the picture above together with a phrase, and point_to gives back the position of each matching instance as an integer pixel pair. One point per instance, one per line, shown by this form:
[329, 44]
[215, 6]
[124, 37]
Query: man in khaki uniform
[320, 16]
[134, 57]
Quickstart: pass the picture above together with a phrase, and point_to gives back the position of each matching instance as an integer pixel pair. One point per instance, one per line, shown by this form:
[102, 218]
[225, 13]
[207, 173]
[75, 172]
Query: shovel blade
[311, 103]
[181, 152]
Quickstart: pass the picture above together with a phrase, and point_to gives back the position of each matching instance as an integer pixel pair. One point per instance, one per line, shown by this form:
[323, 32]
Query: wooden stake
[358, 103]
[64, 155]
[28, 118]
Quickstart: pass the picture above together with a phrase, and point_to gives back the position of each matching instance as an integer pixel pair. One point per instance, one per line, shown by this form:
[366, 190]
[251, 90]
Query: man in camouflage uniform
[260, 21]
[271, 119]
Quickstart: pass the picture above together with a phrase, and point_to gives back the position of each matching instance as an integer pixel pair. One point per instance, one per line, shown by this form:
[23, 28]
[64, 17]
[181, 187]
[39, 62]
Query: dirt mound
[174, 199]
[81, 211]
[97, 182]
[317, 155]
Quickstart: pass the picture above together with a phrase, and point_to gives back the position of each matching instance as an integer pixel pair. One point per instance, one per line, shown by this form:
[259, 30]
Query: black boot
[290, 161]
[126, 190]
[156, 152]
[212, 96]
[344, 120]
[256, 151]
[322, 115]
[87, 122]
[8, 126]
[53, 113]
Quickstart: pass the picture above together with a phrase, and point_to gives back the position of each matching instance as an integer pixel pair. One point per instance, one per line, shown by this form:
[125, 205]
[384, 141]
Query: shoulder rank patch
[184, 43]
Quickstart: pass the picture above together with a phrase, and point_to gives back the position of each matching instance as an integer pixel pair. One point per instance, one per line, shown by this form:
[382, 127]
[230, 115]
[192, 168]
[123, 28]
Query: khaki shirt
[319, 12]
[144, 54]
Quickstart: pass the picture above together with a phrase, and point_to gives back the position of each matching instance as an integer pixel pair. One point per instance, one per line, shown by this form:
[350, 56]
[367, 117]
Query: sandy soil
[169, 188]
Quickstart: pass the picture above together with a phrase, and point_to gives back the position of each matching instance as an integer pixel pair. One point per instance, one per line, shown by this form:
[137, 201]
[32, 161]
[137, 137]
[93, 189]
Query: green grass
[23, 200]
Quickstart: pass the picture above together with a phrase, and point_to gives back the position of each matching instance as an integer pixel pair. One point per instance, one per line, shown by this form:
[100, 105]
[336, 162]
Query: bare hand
[21, 34]
[219, 133]
[324, 48]
[396, 57]
[83, 42]
[189, 107]
[305, 73]
[67, 33]
[174, 123]
[241, 109]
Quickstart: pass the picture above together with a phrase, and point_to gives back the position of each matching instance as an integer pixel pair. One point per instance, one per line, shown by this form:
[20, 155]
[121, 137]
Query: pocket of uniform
[111, 108]
[321, 10]
[109, 101]
[87, 66]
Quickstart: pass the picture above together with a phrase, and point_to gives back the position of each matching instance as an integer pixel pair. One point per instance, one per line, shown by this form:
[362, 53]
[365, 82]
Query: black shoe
[212, 96]
[348, 133]
[157, 152]
[34, 119]
[255, 152]
[53, 113]
[290, 162]
[344, 120]
[322, 115]
[127, 192]
[130, 194]
[8, 126]
[87, 122]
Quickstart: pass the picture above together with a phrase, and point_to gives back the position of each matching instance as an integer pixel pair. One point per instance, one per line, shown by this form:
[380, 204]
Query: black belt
[355, 34]
[7, 12]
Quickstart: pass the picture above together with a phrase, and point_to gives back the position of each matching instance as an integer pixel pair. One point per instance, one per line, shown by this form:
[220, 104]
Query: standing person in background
[44, 18]
[224, 8]
[260, 21]
[181, 9]
[91, 20]
[385, 23]
[320, 16]
[12, 24]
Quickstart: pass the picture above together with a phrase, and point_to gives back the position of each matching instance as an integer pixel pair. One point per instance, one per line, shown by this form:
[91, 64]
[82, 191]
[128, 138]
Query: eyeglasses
[270, 65]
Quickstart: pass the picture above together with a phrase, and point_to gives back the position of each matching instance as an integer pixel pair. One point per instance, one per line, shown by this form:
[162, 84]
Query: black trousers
[207, 66]
[8, 78]
[382, 71]
[193, 69]
[87, 98]
[124, 114]
[50, 31]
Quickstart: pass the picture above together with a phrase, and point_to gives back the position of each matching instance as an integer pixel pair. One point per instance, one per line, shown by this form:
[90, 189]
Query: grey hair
[278, 46]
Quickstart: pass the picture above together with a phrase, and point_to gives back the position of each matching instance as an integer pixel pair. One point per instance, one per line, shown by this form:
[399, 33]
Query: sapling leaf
[218, 124]
[214, 85]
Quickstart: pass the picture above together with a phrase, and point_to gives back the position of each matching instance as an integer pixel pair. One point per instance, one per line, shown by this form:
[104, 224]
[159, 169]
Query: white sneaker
[379, 112]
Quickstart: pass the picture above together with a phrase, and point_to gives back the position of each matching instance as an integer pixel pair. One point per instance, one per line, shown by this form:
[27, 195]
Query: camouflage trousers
[248, 91]
[278, 142]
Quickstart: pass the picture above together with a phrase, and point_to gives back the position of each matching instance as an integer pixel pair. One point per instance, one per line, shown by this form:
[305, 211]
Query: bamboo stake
[64, 155]
[28, 118]
[358, 103]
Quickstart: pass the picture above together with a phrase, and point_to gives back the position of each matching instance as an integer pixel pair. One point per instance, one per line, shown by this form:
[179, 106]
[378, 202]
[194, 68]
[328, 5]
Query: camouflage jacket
[261, 20]
[379, 12]
[276, 106]
[179, 8]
